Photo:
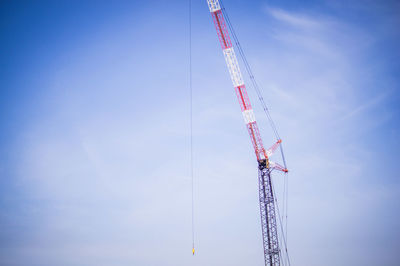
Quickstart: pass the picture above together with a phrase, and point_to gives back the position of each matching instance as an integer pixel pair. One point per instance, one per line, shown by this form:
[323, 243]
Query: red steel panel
[256, 140]
[222, 30]
[243, 98]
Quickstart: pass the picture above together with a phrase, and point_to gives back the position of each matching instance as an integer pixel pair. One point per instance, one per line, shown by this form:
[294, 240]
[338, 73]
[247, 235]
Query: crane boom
[237, 80]
[266, 195]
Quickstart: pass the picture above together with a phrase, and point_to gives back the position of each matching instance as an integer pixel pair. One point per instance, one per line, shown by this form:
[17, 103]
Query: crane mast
[265, 166]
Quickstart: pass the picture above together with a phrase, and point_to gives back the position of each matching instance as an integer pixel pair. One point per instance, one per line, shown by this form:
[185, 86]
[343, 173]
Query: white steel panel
[233, 67]
[248, 116]
[213, 5]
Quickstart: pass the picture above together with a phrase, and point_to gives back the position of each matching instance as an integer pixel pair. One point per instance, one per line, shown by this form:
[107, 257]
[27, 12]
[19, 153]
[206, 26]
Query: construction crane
[272, 252]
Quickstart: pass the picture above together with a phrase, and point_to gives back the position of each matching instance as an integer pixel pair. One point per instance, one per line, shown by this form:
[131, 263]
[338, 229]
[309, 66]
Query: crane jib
[237, 80]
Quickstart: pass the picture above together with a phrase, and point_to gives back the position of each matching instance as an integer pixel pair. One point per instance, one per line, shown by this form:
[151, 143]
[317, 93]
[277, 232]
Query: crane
[272, 252]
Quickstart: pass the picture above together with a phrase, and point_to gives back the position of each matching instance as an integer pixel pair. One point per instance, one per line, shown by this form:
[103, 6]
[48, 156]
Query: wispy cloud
[294, 19]
[374, 102]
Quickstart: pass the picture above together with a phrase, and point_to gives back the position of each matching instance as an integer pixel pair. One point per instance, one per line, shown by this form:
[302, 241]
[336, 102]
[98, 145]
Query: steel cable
[270, 120]
[191, 120]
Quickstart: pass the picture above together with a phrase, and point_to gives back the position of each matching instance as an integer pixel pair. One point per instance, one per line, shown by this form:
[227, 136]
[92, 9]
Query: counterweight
[266, 196]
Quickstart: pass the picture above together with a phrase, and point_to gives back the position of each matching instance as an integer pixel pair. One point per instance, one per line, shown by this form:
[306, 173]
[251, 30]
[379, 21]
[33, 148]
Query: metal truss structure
[265, 166]
[268, 218]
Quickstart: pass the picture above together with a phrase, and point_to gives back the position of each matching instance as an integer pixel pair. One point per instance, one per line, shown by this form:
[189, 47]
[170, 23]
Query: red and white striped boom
[237, 80]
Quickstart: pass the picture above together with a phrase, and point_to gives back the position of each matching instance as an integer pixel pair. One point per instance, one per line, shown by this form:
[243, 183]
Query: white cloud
[294, 19]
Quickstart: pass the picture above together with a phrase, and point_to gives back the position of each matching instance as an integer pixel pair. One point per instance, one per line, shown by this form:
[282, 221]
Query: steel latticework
[267, 210]
[265, 166]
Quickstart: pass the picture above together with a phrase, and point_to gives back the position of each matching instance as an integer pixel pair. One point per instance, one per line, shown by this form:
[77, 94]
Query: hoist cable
[282, 232]
[191, 119]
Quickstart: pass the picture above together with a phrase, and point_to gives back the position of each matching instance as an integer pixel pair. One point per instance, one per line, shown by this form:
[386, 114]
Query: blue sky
[94, 132]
